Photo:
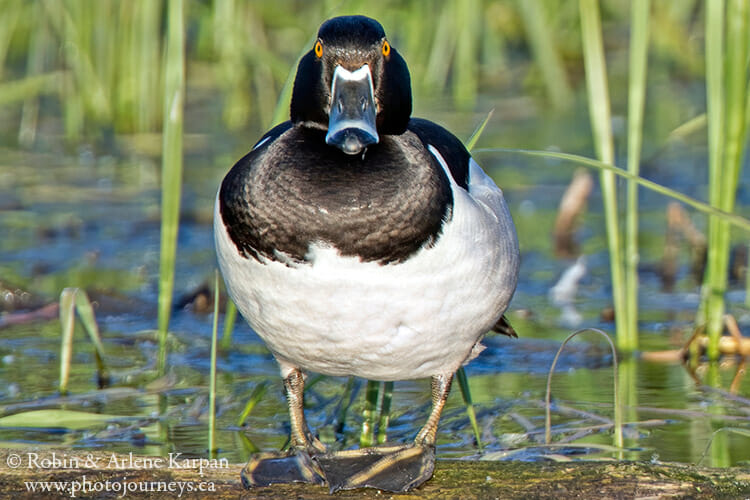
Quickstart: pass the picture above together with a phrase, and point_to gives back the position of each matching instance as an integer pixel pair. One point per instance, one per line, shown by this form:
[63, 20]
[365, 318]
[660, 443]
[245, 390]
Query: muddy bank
[85, 474]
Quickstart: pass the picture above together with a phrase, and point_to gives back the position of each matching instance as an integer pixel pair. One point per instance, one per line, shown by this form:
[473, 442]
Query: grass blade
[715, 434]
[372, 395]
[618, 420]
[733, 219]
[246, 444]
[726, 86]
[72, 301]
[34, 66]
[88, 320]
[67, 320]
[636, 99]
[599, 110]
[463, 383]
[254, 399]
[8, 23]
[478, 132]
[548, 60]
[212, 373]
[230, 318]
[30, 87]
[171, 182]
[468, 18]
[385, 412]
[713, 298]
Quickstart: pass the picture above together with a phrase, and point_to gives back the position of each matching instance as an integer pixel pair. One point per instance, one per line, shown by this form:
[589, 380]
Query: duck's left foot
[391, 468]
[296, 466]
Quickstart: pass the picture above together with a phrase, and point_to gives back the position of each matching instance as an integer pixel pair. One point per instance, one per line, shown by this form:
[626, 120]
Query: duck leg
[392, 468]
[441, 387]
[295, 465]
[301, 437]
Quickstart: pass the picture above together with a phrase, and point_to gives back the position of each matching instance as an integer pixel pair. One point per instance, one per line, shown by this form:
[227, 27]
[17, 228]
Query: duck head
[353, 84]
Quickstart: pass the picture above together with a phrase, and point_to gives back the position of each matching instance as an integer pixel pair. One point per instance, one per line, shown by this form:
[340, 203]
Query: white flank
[414, 319]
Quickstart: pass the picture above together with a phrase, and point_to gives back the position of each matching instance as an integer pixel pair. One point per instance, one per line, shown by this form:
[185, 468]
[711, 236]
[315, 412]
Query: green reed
[38, 43]
[75, 301]
[601, 119]
[230, 318]
[376, 412]
[534, 15]
[102, 59]
[369, 413]
[727, 103]
[138, 105]
[212, 372]
[463, 383]
[255, 397]
[8, 23]
[730, 218]
[98, 60]
[171, 181]
[624, 256]
[104, 54]
[636, 103]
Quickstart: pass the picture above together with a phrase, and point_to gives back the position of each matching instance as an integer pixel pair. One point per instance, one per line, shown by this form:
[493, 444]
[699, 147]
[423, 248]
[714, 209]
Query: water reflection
[667, 416]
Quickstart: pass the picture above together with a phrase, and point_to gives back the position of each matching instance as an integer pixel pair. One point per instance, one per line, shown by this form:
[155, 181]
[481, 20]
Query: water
[90, 219]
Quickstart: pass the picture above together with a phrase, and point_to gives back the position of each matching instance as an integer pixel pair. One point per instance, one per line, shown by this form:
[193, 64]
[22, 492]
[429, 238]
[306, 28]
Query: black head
[353, 84]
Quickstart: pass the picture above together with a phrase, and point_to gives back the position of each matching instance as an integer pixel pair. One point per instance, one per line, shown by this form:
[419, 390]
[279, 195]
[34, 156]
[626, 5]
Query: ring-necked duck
[357, 240]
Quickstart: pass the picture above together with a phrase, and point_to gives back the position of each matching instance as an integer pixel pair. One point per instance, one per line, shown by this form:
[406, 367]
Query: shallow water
[90, 219]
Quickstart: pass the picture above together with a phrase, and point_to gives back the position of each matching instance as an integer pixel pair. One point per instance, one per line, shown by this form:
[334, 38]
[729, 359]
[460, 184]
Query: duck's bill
[351, 119]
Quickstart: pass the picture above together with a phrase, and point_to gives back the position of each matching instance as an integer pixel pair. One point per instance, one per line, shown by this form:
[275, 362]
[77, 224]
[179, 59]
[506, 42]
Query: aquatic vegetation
[617, 404]
[212, 372]
[637, 65]
[171, 181]
[75, 301]
[727, 104]
[601, 125]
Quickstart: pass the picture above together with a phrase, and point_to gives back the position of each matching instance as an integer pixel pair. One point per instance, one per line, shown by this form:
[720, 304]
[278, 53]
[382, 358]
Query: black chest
[297, 191]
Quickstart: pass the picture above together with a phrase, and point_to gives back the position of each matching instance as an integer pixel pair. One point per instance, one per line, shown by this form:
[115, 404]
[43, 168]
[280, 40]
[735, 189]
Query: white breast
[414, 319]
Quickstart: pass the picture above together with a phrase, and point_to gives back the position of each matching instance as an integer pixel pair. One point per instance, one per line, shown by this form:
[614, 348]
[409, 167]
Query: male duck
[359, 241]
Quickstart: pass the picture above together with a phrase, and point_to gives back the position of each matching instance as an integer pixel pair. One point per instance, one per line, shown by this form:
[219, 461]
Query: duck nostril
[340, 106]
[363, 103]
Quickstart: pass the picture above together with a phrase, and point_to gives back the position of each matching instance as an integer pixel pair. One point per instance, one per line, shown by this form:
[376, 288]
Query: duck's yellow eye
[386, 48]
[318, 49]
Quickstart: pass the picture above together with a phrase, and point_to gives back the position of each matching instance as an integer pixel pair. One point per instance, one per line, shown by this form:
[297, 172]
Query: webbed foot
[396, 468]
[295, 466]
[392, 468]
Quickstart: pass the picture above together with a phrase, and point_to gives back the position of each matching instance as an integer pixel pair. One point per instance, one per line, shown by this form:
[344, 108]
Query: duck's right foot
[295, 466]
